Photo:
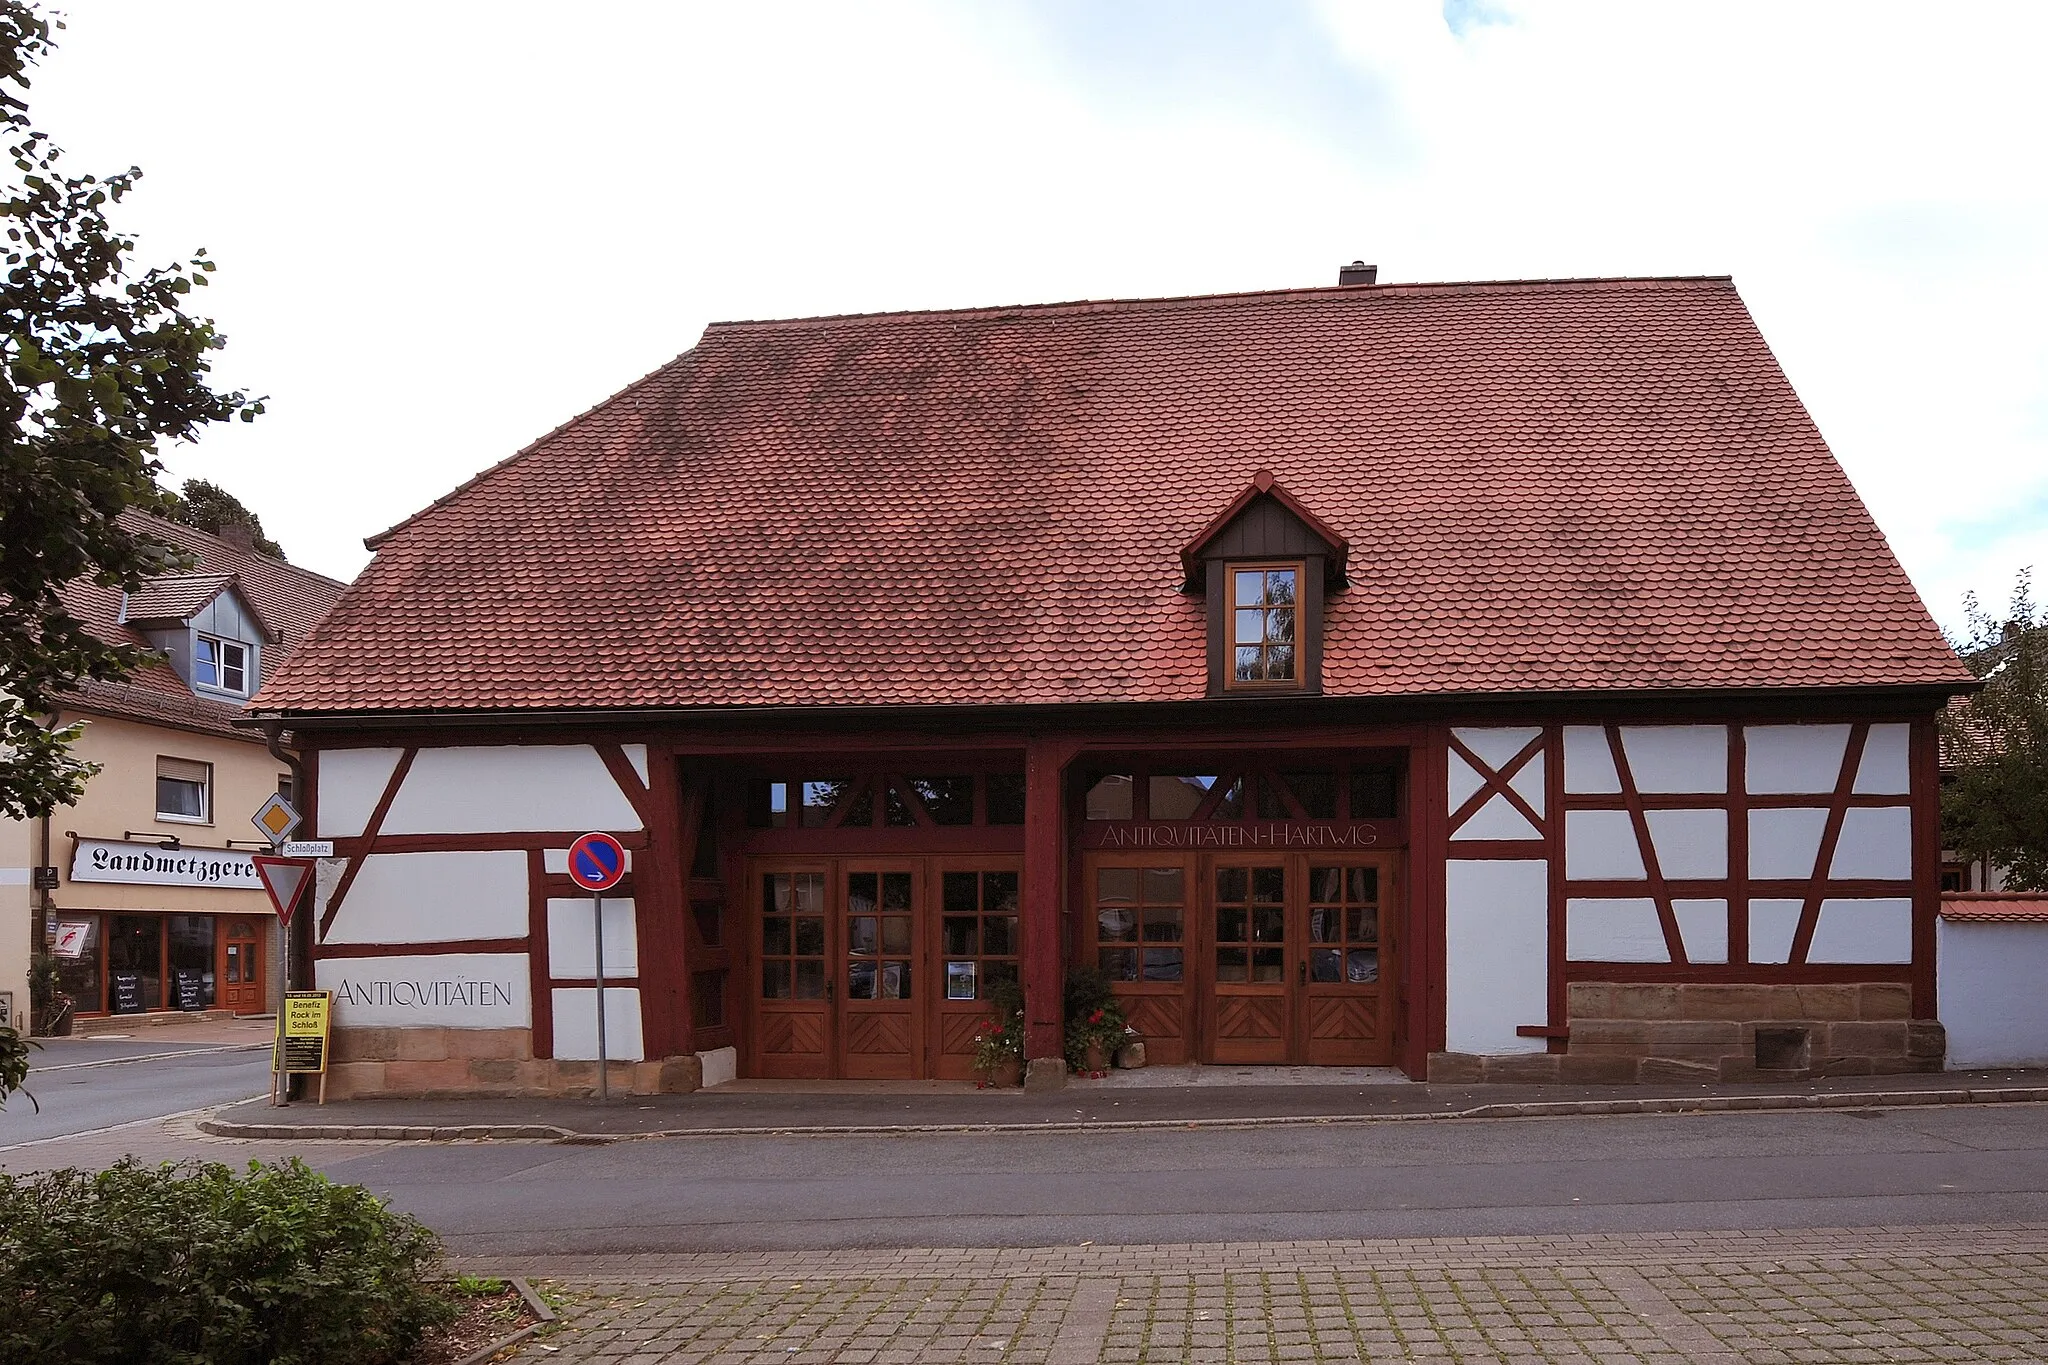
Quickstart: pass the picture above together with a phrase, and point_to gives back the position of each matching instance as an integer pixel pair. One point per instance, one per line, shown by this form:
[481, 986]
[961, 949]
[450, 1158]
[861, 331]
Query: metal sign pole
[604, 1085]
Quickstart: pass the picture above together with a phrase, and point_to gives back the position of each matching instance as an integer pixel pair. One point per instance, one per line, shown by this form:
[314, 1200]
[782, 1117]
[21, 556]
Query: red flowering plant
[1000, 1038]
[1095, 1017]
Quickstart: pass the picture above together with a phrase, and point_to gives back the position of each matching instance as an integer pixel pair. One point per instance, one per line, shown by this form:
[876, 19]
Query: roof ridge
[180, 528]
[1115, 305]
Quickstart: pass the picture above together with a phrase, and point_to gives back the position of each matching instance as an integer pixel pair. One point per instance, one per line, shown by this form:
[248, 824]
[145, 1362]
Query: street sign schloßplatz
[597, 862]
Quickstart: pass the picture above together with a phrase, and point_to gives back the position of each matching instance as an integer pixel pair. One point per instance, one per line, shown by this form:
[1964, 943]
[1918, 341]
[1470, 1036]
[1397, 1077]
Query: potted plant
[50, 1005]
[1095, 1022]
[999, 1044]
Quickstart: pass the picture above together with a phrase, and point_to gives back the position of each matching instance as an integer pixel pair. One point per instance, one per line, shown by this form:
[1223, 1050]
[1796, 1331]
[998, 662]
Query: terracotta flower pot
[1009, 1073]
[1095, 1059]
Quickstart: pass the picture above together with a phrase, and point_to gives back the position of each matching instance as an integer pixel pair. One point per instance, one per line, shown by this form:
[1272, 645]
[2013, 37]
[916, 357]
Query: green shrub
[192, 1265]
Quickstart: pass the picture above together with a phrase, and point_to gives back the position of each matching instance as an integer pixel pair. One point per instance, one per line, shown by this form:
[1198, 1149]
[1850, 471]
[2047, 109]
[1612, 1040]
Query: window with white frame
[222, 665]
[184, 790]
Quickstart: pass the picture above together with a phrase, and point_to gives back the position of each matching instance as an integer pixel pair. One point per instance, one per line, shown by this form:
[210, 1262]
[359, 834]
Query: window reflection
[1263, 624]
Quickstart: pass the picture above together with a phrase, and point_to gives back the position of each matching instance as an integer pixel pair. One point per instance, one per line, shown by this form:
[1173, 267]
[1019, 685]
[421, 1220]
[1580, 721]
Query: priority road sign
[285, 881]
[597, 862]
[276, 818]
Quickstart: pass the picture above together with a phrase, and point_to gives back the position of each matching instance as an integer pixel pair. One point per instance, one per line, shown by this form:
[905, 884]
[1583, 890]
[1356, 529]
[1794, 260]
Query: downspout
[39, 925]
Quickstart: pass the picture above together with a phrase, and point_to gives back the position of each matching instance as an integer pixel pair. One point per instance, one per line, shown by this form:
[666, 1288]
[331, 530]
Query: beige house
[144, 891]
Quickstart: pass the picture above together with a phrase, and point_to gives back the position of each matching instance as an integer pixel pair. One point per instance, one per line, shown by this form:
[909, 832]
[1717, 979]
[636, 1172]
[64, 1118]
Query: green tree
[1994, 796]
[213, 509]
[100, 363]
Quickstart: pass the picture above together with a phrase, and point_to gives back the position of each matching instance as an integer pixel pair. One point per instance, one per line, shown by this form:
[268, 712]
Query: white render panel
[1989, 983]
[1497, 936]
[572, 945]
[556, 861]
[1876, 843]
[1876, 930]
[1789, 759]
[350, 782]
[428, 990]
[1601, 845]
[1772, 926]
[1785, 842]
[1588, 762]
[1691, 844]
[1464, 780]
[1497, 819]
[1614, 931]
[1677, 758]
[1886, 769]
[1528, 783]
[490, 789]
[1703, 928]
[1496, 746]
[636, 754]
[576, 1024]
[434, 897]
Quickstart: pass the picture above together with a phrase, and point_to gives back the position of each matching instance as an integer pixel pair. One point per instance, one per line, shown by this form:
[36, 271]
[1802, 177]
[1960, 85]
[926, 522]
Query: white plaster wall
[1783, 843]
[636, 754]
[1496, 965]
[511, 787]
[429, 990]
[1786, 759]
[349, 783]
[1772, 925]
[434, 897]
[1464, 780]
[1497, 820]
[1614, 931]
[1703, 928]
[1876, 842]
[1588, 762]
[1989, 980]
[572, 944]
[1885, 769]
[1496, 745]
[1879, 929]
[576, 1024]
[1601, 845]
[1528, 783]
[1691, 844]
[1677, 758]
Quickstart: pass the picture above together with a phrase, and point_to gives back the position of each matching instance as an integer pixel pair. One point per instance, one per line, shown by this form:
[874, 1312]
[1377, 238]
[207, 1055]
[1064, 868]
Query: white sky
[445, 228]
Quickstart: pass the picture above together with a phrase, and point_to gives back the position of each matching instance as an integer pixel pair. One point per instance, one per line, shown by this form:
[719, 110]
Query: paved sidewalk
[923, 1109]
[1778, 1298]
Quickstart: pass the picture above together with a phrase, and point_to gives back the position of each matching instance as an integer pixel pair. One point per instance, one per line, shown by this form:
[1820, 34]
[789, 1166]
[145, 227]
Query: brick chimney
[238, 535]
[1358, 272]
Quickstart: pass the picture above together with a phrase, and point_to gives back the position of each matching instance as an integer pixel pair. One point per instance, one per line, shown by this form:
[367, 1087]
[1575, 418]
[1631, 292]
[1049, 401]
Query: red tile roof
[290, 601]
[1601, 484]
[2017, 907]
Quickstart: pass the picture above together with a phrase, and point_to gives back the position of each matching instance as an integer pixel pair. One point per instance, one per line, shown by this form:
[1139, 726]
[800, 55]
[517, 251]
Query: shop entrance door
[240, 971]
[881, 1032]
[1251, 1005]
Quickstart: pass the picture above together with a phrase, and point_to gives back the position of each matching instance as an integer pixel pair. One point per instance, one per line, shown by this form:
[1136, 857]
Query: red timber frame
[696, 789]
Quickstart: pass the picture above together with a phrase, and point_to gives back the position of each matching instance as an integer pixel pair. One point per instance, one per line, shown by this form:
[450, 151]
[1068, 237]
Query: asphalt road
[1454, 1178]
[84, 1085]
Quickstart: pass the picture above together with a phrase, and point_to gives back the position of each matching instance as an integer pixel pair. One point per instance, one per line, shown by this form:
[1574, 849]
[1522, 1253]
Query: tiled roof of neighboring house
[1546, 486]
[1995, 906]
[290, 601]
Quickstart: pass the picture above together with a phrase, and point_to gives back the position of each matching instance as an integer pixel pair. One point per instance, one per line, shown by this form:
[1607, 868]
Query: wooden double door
[1286, 958]
[877, 968]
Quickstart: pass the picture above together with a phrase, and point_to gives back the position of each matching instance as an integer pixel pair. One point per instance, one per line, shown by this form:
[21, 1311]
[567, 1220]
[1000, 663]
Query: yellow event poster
[302, 1033]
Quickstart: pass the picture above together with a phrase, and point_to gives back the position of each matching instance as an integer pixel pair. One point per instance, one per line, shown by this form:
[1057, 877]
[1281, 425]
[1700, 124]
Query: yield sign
[284, 879]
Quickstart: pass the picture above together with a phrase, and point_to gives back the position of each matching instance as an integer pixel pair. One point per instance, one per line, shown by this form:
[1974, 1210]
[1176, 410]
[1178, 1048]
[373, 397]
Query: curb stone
[1870, 1099]
[543, 1315]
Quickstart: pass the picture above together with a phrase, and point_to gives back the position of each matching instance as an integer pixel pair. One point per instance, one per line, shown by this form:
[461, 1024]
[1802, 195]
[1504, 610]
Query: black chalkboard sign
[191, 988]
[126, 989]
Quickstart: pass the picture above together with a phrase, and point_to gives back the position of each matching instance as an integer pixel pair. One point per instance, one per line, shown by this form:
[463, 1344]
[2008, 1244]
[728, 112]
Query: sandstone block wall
[1697, 1031]
[391, 1062]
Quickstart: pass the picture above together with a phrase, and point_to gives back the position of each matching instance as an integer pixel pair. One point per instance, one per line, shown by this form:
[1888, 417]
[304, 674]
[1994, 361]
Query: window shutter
[184, 770]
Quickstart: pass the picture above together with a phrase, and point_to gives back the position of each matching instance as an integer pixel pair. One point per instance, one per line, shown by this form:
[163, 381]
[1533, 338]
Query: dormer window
[222, 665]
[1265, 564]
[1265, 606]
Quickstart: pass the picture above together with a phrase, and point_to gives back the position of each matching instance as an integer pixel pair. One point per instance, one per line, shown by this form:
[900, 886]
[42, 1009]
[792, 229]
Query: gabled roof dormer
[206, 628]
[1264, 564]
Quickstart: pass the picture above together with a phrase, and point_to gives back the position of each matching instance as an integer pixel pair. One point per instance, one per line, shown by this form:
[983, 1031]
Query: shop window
[948, 800]
[1373, 793]
[1109, 797]
[1251, 924]
[1006, 798]
[880, 910]
[222, 665]
[1343, 925]
[1141, 922]
[793, 936]
[191, 961]
[184, 790]
[79, 949]
[1264, 607]
[1177, 796]
[979, 931]
[821, 799]
[135, 964]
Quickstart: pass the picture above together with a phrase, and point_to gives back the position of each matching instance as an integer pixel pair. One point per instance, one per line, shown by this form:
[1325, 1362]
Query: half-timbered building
[1484, 680]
